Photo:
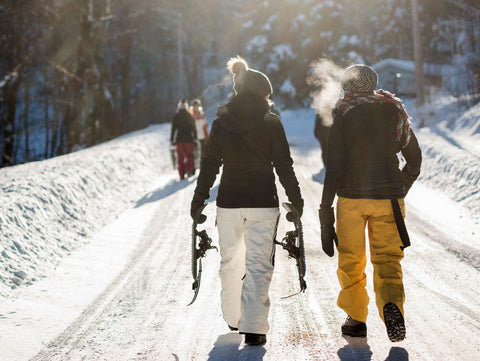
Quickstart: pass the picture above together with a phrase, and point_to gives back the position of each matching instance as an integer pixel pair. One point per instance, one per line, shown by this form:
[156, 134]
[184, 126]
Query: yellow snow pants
[353, 215]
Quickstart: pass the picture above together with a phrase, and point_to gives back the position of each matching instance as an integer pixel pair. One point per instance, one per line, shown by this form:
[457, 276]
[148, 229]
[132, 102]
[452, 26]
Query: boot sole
[394, 322]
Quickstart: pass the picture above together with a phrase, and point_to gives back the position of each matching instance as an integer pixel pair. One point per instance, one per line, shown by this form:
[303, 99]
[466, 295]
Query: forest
[75, 73]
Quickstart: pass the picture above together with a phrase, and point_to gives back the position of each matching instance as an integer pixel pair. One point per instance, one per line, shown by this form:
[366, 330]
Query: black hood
[244, 112]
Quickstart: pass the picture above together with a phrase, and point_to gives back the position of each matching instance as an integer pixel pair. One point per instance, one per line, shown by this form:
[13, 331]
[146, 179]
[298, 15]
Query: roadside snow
[450, 150]
[50, 208]
[45, 309]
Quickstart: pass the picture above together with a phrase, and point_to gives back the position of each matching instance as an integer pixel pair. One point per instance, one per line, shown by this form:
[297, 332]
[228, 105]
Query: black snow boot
[255, 339]
[354, 328]
[394, 322]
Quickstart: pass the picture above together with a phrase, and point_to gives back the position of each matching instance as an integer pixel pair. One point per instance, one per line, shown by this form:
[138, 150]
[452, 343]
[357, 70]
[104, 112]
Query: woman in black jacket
[370, 127]
[249, 141]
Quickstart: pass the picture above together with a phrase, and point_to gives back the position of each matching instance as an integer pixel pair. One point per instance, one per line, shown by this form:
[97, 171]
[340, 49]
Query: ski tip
[292, 295]
[195, 294]
[192, 301]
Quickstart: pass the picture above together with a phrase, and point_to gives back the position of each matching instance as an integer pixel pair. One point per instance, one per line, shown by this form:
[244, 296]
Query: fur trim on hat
[248, 80]
[237, 65]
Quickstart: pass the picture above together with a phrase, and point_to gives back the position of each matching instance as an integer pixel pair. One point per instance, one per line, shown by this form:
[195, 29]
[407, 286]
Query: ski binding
[293, 244]
[199, 250]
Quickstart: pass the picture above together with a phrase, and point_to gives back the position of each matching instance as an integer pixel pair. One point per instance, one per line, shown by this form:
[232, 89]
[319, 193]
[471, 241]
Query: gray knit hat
[248, 80]
[359, 78]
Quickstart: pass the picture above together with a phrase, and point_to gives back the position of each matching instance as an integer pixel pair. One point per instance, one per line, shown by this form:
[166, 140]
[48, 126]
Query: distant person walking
[321, 132]
[249, 141]
[183, 135]
[202, 128]
[370, 127]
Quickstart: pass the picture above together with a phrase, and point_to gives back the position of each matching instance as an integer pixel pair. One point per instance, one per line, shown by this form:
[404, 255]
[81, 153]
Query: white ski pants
[247, 249]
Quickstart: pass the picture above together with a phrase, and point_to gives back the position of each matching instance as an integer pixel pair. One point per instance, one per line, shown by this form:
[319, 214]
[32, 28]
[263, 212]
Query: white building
[398, 76]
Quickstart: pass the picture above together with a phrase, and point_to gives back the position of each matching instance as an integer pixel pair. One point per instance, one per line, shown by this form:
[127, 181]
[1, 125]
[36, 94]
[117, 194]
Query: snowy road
[124, 296]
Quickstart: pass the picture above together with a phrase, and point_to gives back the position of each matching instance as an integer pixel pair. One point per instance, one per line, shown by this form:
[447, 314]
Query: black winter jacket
[183, 127]
[249, 141]
[362, 157]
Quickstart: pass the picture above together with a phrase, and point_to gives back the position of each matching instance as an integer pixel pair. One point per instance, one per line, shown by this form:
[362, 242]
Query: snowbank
[469, 122]
[50, 208]
[450, 149]
[449, 168]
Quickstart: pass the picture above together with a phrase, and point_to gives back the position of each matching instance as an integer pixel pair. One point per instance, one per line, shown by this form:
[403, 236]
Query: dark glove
[194, 208]
[299, 207]
[327, 229]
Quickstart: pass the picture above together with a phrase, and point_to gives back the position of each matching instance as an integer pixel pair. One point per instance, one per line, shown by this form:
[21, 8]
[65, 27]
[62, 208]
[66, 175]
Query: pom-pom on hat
[248, 80]
[359, 78]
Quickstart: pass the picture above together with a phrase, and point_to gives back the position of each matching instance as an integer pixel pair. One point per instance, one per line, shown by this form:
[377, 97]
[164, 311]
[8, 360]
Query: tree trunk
[125, 88]
[75, 126]
[417, 44]
[181, 74]
[25, 120]
[55, 149]
[46, 120]
[8, 119]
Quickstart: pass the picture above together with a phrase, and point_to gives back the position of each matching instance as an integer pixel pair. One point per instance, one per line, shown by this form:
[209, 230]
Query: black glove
[194, 208]
[327, 229]
[299, 207]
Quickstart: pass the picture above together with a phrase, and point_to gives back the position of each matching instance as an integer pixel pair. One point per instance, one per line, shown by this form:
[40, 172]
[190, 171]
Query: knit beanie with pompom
[359, 78]
[248, 80]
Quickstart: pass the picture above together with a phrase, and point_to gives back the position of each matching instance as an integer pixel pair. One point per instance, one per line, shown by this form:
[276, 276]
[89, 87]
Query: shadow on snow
[163, 192]
[227, 347]
[359, 350]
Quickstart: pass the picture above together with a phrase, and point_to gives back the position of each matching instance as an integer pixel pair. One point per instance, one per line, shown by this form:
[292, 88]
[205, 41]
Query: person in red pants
[183, 135]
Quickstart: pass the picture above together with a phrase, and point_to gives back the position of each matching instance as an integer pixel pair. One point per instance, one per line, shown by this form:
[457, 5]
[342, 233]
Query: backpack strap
[402, 230]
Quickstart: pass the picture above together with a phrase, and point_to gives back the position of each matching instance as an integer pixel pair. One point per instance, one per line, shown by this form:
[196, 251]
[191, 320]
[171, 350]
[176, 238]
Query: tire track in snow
[425, 237]
[449, 302]
[101, 308]
[464, 253]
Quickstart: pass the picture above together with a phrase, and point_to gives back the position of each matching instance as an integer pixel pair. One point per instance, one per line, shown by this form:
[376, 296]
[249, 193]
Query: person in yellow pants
[353, 216]
[370, 127]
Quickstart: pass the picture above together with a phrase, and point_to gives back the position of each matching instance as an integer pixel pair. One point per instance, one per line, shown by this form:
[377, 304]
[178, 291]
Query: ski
[293, 244]
[198, 251]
